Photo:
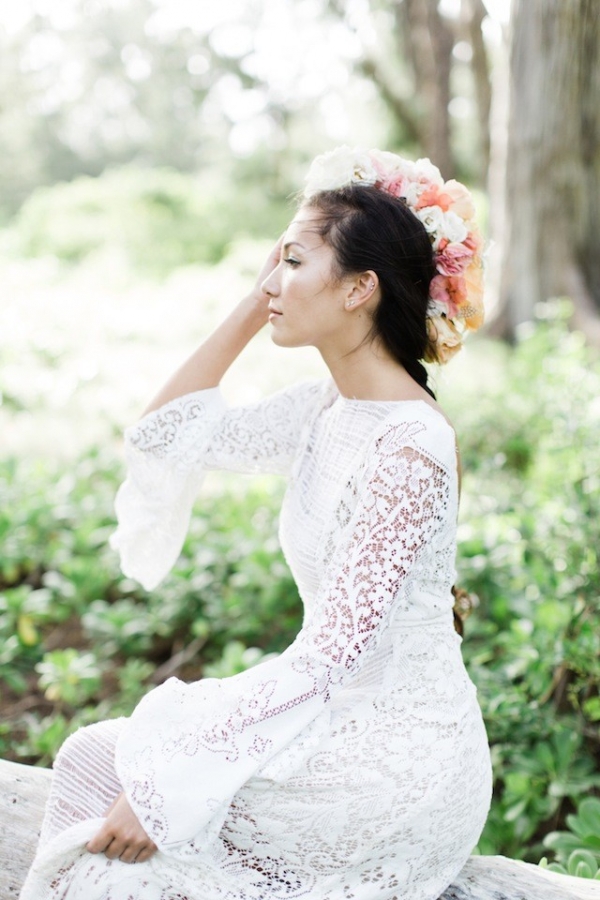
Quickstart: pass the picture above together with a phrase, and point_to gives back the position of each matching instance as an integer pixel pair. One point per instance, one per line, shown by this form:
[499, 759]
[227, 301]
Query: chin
[281, 340]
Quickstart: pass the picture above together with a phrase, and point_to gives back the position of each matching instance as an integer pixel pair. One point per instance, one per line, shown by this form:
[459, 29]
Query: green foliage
[236, 658]
[577, 850]
[68, 676]
[529, 543]
[153, 220]
[79, 642]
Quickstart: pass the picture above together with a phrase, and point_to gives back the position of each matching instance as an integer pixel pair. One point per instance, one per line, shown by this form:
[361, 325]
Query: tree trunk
[428, 41]
[24, 790]
[552, 245]
[473, 14]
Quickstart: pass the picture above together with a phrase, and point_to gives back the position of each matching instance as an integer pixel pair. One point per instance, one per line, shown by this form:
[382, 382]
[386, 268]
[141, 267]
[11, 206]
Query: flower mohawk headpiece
[446, 210]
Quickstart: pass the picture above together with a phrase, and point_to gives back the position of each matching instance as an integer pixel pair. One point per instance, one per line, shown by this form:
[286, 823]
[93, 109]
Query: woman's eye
[291, 261]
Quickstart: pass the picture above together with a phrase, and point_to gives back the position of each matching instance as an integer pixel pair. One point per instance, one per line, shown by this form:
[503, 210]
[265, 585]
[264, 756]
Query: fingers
[129, 855]
[100, 842]
[145, 854]
[121, 836]
[270, 264]
[128, 850]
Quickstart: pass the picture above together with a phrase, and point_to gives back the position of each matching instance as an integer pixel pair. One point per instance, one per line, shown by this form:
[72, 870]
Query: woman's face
[307, 301]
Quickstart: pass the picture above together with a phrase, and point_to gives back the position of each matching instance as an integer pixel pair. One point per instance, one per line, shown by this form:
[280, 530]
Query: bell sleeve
[168, 452]
[188, 748]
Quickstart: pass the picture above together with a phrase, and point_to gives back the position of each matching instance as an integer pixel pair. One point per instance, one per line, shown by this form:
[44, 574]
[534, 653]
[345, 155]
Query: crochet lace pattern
[354, 765]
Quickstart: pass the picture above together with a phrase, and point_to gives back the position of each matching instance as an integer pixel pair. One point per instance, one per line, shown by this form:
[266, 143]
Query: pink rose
[395, 184]
[453, 259]
[451, 290]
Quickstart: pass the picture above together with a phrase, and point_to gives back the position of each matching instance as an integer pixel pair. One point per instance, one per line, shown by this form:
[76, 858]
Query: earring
[349, 304]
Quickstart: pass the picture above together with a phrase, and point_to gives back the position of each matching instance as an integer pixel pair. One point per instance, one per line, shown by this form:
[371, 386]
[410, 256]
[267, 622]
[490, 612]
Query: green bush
[79, 642]
[577, 851]
[153, 219]
[529, 543]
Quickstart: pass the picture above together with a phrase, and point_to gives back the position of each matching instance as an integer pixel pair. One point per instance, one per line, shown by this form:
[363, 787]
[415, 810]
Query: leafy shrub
[528, 548]
[577, 851]
[529, 543]
[154, 219]
[68, 676]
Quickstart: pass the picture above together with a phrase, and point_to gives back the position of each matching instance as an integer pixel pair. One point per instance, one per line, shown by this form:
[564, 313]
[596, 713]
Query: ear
[361, 289]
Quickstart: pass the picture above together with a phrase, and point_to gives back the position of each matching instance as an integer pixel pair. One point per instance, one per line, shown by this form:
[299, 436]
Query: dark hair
[369, 229]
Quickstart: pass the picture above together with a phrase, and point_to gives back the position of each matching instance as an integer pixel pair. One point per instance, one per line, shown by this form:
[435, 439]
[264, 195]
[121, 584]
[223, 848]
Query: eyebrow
[291, 244]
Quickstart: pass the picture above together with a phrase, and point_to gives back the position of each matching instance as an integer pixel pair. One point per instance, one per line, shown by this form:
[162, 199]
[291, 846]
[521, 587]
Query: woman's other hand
[122, 837]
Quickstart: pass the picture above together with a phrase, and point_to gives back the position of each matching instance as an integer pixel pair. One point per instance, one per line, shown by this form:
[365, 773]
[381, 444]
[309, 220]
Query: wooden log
[498, 878]
[24, 790]
[23, 794]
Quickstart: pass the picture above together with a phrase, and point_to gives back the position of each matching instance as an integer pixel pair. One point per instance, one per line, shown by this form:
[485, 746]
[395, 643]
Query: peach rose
[472, 313]
[445, 340]
[433, 196]
[460, 199]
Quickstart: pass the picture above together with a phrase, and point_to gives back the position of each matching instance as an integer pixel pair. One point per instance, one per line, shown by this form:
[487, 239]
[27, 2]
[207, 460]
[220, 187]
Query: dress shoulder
[416, 424]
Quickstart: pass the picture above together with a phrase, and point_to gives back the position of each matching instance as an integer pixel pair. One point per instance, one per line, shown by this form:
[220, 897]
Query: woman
[355, 765]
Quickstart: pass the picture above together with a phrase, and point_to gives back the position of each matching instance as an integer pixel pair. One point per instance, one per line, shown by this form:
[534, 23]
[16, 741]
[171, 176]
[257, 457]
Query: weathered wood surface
[498, 878]
[23, 794]
[24, 790]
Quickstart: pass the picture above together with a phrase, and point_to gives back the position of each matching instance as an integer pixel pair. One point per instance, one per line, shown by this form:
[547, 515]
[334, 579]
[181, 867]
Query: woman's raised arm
[209, 362]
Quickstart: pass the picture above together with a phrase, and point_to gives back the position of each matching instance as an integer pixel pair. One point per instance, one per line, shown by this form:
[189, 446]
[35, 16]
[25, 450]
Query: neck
[370, 373]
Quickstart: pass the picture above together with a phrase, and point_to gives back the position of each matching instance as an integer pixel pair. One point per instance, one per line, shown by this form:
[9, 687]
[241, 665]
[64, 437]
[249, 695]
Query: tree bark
[24, 790]
[552, 245]
[473, 13]
[428, 41]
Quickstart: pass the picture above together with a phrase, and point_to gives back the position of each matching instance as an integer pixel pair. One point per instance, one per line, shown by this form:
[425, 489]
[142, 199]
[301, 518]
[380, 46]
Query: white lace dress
[355, 765]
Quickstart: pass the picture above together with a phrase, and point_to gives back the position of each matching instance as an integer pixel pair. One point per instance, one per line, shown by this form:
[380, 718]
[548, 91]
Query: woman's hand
[271, 263]
[122, 837]
[207, 365]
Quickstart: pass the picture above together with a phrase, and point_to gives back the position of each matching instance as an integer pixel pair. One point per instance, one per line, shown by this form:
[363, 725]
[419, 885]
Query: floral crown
[447, 212]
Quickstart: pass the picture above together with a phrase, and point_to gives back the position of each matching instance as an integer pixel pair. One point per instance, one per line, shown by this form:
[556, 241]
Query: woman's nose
[270, 285]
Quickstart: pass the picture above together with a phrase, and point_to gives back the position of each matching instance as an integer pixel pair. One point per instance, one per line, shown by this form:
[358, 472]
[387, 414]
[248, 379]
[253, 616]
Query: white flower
[413, 192]
[432, 218]
[426, 171]
[440, 224]
[391, 165]
[454, 228]
[435, 309]
[340, 167]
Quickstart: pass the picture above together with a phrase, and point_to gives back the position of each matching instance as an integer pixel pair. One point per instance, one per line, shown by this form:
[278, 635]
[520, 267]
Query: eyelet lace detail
[353, 765]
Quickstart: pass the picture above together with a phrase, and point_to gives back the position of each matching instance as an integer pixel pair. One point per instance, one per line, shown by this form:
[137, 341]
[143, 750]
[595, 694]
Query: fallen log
[24, 790]
[23, 794]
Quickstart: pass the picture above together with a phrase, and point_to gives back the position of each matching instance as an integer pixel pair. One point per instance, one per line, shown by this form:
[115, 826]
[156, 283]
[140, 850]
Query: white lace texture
[353, 766]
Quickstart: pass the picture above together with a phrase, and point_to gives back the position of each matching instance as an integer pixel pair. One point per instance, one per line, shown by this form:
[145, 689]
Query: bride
[355, 765]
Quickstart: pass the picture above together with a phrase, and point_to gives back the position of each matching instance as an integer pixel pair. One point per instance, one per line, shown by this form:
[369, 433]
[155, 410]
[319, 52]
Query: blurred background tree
[552, 245]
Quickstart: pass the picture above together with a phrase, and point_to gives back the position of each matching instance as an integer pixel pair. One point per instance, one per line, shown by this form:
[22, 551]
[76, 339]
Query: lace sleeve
[188, 748]
[168, 451]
